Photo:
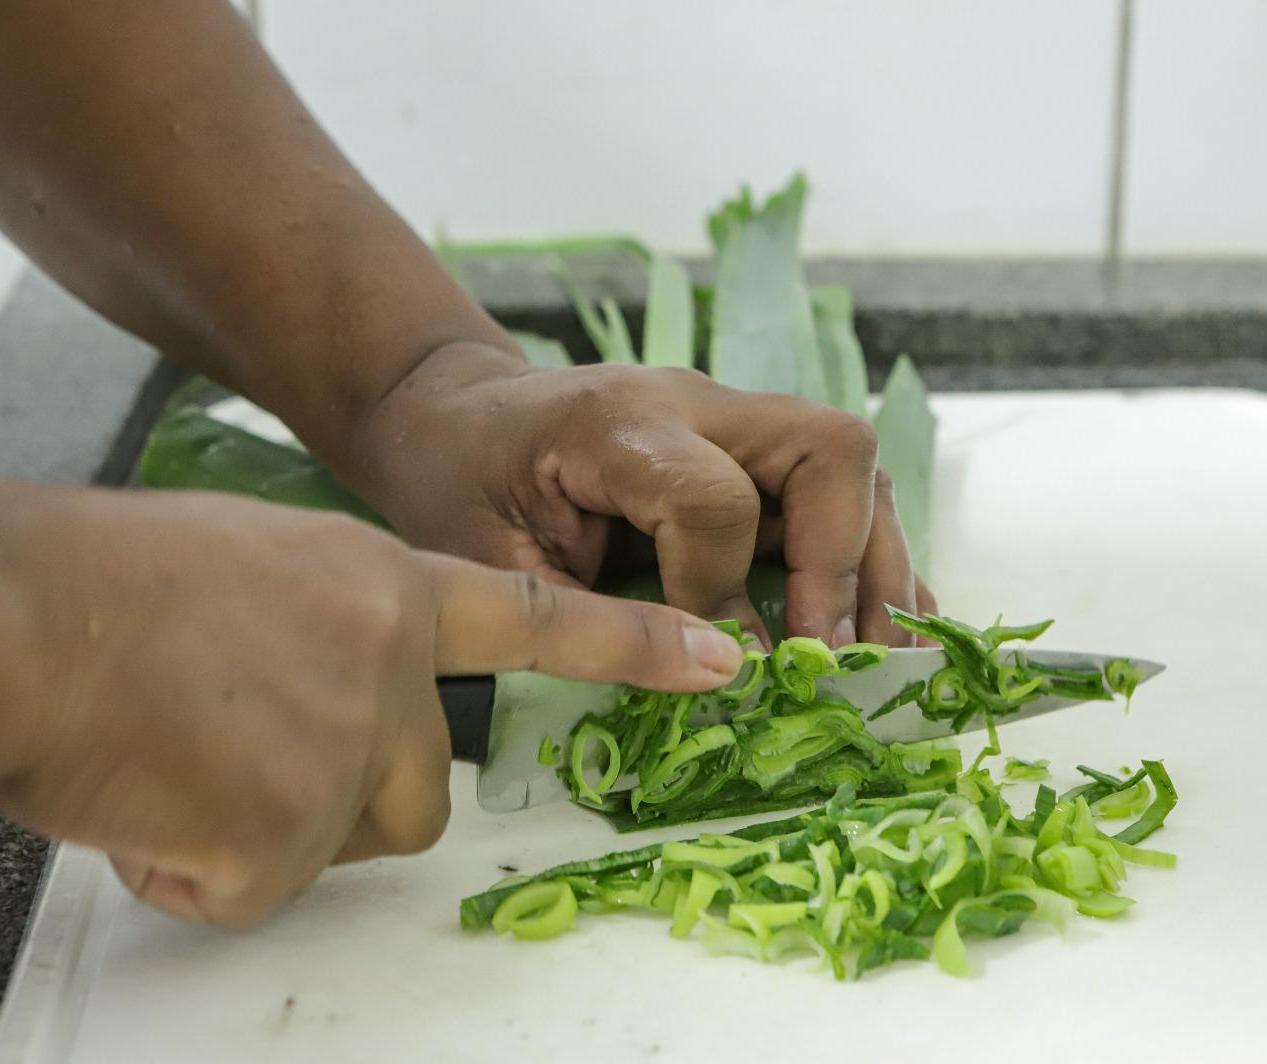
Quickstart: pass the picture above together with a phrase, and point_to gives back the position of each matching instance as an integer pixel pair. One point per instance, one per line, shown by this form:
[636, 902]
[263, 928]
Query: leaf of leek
[844, 368]
[906, 428]
[669, 332]
[541, 351]
[763, 328]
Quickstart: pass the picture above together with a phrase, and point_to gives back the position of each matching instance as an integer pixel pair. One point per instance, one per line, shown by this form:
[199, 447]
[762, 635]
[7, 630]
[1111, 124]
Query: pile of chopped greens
[862, 882]
[909, 855]
[772, 740]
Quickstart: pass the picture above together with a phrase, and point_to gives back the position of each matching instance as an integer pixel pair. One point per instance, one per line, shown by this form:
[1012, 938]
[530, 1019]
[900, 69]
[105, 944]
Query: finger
[886, 575]
[206, 897]
[821, 464]
[409, 810]
[926, 604]
[703, 512]
[171, 893]
[492, 621]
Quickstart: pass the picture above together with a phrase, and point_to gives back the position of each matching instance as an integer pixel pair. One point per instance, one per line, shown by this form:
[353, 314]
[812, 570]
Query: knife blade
[499, 722]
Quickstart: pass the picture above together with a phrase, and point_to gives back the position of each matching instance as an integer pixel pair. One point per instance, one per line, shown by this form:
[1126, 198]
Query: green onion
[860, 882]
[1018, 771]
[580, 745]
[537, 911]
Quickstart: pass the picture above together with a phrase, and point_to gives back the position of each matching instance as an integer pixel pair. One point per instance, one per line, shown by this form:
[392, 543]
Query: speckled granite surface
[21, 863]
[76, 395]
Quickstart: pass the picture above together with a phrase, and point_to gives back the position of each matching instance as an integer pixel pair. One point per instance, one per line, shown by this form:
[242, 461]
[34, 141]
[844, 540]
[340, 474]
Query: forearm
[156, 163]
[21, 673]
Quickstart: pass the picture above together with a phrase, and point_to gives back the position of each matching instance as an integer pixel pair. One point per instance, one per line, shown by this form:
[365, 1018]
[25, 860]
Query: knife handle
[467, 702]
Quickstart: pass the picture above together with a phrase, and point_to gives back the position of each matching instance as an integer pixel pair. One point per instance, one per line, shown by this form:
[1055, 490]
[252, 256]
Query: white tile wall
[1197, 180]
[978, 126]
[926, 127]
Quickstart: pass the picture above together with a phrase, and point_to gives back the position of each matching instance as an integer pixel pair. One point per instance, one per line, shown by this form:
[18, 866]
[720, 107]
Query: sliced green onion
[1155, 815]
[763, 918]
[537, 911]
[1122, 677]
[693, 901]
[580, 745]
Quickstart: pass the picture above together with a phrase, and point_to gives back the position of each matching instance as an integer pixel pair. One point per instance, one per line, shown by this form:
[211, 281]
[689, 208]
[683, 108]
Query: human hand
[477, 454]
[227, 696]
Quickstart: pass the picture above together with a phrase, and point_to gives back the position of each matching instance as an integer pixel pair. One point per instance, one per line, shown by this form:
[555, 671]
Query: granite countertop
[77, 396]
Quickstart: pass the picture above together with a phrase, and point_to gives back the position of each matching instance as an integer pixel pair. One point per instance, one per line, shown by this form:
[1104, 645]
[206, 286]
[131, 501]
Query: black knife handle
[468, 707]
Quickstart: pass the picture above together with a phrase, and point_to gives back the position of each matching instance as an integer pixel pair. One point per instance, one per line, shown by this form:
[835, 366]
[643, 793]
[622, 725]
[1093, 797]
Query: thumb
[488, 620]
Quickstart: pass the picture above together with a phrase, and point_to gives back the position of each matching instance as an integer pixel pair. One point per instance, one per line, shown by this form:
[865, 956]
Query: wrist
[415, 419]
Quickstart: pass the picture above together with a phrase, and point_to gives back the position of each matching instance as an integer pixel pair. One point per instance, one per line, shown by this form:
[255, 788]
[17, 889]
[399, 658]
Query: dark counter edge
[971, 325]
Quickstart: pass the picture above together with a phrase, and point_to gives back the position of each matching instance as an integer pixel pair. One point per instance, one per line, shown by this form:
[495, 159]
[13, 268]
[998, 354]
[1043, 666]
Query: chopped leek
[859, 882]
[769, 739]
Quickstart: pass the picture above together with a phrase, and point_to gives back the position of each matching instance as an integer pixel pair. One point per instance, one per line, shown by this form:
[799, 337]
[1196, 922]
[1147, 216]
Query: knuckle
[421, 831]
[850, 437]
[379, 614]
[539, 601]
[728, 505]
[883, 483]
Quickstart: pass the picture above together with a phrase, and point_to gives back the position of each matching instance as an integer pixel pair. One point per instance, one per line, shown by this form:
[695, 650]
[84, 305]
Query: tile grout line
[1120, 128]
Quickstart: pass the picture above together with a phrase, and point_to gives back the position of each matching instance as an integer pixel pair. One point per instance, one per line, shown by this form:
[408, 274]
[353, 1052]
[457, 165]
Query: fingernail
[844, 633]
[713, 650]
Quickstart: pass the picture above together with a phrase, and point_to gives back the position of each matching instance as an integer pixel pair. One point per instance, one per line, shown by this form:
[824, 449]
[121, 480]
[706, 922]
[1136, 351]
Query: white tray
[1139, 522]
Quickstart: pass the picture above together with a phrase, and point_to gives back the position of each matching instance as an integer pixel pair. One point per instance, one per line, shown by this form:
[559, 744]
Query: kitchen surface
[1073, 253]
[353, 970]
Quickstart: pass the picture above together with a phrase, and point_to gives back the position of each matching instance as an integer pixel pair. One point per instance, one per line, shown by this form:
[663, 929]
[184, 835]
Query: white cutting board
[1139, 522]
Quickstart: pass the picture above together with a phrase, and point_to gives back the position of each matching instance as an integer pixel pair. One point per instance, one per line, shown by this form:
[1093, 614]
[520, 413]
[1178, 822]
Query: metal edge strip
[65, 943]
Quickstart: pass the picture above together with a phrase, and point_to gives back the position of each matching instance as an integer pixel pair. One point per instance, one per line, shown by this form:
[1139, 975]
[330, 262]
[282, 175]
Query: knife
[499, 722]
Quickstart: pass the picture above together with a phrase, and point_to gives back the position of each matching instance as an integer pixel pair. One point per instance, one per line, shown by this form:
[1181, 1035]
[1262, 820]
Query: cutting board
[1138, 521]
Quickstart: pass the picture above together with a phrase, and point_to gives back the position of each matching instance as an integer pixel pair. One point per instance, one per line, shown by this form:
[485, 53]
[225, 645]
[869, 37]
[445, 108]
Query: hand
[477, 454]
[228, 696]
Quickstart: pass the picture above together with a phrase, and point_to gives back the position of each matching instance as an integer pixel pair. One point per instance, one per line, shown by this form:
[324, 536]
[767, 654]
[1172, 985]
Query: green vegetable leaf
[549, 247]
[188, 449]
[604, 324]
[1018, 771]
[542, 351]
[1123, 677]
[669, 332]
[844, 368]
[1155, 815]
[906, 427]
[763, 328]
